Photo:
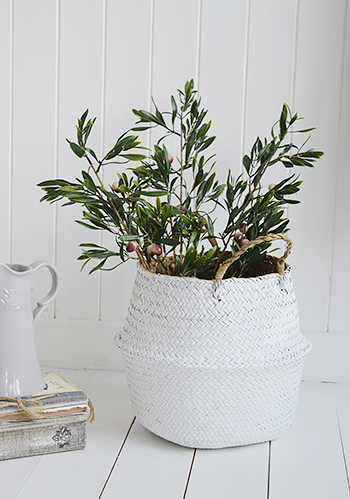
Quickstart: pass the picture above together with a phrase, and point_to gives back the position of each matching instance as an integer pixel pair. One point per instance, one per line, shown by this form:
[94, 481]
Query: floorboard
[124, 460]
[342, 399]
[307, 462]
[227, 473]
[149, 468]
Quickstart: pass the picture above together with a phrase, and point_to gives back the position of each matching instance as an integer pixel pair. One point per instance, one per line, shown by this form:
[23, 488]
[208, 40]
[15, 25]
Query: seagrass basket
[214, 364]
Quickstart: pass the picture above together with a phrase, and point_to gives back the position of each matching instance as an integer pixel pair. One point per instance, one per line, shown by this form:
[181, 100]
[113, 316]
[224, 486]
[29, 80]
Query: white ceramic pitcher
[20, 373]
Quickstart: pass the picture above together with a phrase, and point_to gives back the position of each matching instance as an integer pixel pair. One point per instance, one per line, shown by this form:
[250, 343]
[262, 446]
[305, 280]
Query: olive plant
[161, 209]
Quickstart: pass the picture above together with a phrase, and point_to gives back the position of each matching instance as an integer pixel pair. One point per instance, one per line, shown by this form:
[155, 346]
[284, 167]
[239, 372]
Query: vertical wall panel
[317, 96]
[174, 47]
[174, 56]
[80, 87]
[127, 87]
[221, 82]
[5, 127]
[339, 320]
[33, 133]
[270, 68]
[270, 65]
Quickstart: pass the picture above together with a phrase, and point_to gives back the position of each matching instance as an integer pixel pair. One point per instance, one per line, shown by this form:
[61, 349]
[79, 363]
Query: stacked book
[53, 420]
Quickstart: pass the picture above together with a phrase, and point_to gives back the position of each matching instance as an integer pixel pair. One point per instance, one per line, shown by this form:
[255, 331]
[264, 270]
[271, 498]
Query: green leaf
[206, 143]
[88, 128]
[154, 193]
[159, 116]
[288, 164]
[311, 153]
[98, 267]
[185, 218]
[141, 128]
[193, 236]
[93, 154]
[88, 182]
[83, 118]
[91, 245]
[130, 237]
[146, 116]
[117, 149]
[305, 130]
[170, 242]
[88, 226]
[53, 183]
[134, 157]
[198, 179]
[291, 201]
[283, 124]
[79, 151]
[174, 109]
[246, 163]
[218, 191]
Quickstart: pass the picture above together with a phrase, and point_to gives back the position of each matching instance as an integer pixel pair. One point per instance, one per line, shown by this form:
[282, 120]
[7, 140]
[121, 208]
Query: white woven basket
[213, 364]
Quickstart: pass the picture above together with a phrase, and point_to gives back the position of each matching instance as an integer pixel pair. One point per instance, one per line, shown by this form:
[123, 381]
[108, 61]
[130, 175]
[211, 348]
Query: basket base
[187, 441]
[214, 408]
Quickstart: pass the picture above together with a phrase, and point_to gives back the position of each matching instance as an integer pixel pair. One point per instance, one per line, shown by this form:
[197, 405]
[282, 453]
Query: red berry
[115, 187]
[171, 159]
[242, 226]
[131, 246]
[238, 237]
[154, 249]
[157, 249]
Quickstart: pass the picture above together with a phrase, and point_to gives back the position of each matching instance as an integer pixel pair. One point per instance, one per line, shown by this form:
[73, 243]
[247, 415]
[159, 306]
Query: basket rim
[229, 279]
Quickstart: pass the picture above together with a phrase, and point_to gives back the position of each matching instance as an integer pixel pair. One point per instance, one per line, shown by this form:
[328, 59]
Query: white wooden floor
[122, 460]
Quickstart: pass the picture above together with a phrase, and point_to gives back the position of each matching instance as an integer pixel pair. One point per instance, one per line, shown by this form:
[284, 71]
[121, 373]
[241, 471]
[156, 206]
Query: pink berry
[272, 186]
[154, 249]
[115, 187]
[131, 246]
[171, 158]
[244, 242]
[181, 207]
[157, 249]
[238, 237]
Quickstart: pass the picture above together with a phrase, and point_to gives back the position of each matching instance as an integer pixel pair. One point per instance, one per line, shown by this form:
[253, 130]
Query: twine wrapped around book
[91, 417]
[34, 412]
[19, 402]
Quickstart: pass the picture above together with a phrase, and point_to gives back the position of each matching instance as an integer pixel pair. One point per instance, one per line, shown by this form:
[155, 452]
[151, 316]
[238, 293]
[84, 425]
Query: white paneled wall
[318, 85]
[59, 57]
[339, 318]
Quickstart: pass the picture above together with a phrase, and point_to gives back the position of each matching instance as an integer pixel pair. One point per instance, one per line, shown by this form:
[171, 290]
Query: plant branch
[140, 256]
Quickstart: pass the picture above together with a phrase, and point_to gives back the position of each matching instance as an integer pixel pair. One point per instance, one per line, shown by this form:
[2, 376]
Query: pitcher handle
[44, 303]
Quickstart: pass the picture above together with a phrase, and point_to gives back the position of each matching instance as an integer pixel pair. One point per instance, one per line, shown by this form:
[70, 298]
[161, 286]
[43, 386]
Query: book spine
[43, 437]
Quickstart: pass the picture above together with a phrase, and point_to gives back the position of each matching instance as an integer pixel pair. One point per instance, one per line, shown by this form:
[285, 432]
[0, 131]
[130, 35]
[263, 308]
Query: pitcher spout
[15, 268]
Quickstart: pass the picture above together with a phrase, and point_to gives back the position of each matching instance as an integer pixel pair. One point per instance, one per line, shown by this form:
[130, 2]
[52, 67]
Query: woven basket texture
[213, 364]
